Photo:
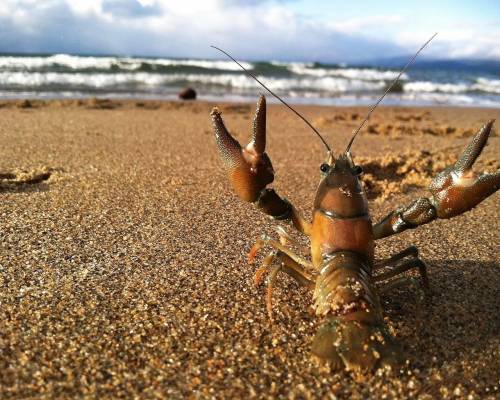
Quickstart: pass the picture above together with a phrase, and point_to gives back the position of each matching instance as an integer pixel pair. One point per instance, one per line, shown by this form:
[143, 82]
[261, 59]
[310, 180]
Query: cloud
[84, 7]
[130, 8]
[457, 40]
[146, 3]
[257, 29]
[366, 24]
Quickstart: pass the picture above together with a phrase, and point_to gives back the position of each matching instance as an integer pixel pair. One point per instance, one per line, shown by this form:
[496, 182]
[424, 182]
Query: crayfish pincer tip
[488, 125]
[486, 128]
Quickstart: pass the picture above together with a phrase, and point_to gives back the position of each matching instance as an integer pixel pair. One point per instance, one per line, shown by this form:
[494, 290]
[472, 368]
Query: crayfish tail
[353, 335]
[355, 346]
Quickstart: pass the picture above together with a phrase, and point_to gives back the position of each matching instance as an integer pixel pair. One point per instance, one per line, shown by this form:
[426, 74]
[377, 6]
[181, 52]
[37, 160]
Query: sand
[123, 255]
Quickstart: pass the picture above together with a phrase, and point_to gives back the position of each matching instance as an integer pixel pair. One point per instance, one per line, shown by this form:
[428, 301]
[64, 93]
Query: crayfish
[340, 272]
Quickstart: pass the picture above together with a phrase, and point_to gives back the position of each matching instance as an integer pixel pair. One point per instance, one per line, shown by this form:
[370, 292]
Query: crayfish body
[342, 272]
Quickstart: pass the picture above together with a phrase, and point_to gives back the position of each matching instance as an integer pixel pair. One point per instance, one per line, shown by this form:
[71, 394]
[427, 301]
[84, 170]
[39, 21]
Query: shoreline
[110, 102]
[341, 101]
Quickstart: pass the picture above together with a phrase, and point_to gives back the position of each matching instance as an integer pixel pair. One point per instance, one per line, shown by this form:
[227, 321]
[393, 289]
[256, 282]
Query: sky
[287, 30]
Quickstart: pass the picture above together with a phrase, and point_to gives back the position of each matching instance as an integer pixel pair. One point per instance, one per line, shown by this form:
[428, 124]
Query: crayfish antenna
[387, 91]
[277, 97]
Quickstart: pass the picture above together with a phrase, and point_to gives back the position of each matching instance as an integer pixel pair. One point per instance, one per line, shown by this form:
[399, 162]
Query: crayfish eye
[324, 168]
[357, 170]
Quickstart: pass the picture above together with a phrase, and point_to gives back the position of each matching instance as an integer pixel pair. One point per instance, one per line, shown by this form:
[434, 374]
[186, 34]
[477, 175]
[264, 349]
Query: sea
[60, 76]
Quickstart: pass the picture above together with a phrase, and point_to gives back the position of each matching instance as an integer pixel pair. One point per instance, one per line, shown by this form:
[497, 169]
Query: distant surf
[76, 76]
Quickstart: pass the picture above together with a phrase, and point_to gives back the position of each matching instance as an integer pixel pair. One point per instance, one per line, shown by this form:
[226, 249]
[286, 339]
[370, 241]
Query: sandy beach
[123, 270]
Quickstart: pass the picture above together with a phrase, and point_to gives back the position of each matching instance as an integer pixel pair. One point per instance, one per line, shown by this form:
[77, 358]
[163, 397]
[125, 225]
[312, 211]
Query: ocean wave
[292, 64]
[37, 79]
[238, 81]
[207, 64]
[446, 98]
[480, 85]
[365, 74]
[301, 83]
[71, 62]
[330, 84]
[433, 87]
[487, 85]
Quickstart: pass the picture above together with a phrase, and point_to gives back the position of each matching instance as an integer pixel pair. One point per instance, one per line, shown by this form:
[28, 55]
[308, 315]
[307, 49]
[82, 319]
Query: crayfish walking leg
[397, 269]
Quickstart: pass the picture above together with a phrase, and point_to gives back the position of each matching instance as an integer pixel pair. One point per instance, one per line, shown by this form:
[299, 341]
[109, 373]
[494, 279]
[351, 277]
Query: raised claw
[457, 189]
[249, 168]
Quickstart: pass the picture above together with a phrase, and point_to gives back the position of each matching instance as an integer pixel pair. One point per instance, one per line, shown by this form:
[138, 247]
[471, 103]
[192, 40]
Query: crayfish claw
[249, 168]
[458, 189]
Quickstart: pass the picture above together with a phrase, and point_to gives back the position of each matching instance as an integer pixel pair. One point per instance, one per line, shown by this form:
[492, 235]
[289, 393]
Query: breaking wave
[71, 62]
[479, 85]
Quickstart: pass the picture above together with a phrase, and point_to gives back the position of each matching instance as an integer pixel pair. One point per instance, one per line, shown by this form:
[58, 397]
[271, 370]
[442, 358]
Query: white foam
[208, 64]
[238, 81]
[441, 98]
[128, 63]
[432, 87]
[330, 84]
[290, 65]
[487, 85]
[481, 84]
[349, 73]
[73, 62]
[36, 79]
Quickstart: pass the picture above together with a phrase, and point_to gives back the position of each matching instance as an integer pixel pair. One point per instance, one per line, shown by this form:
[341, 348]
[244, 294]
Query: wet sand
[123, 266]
